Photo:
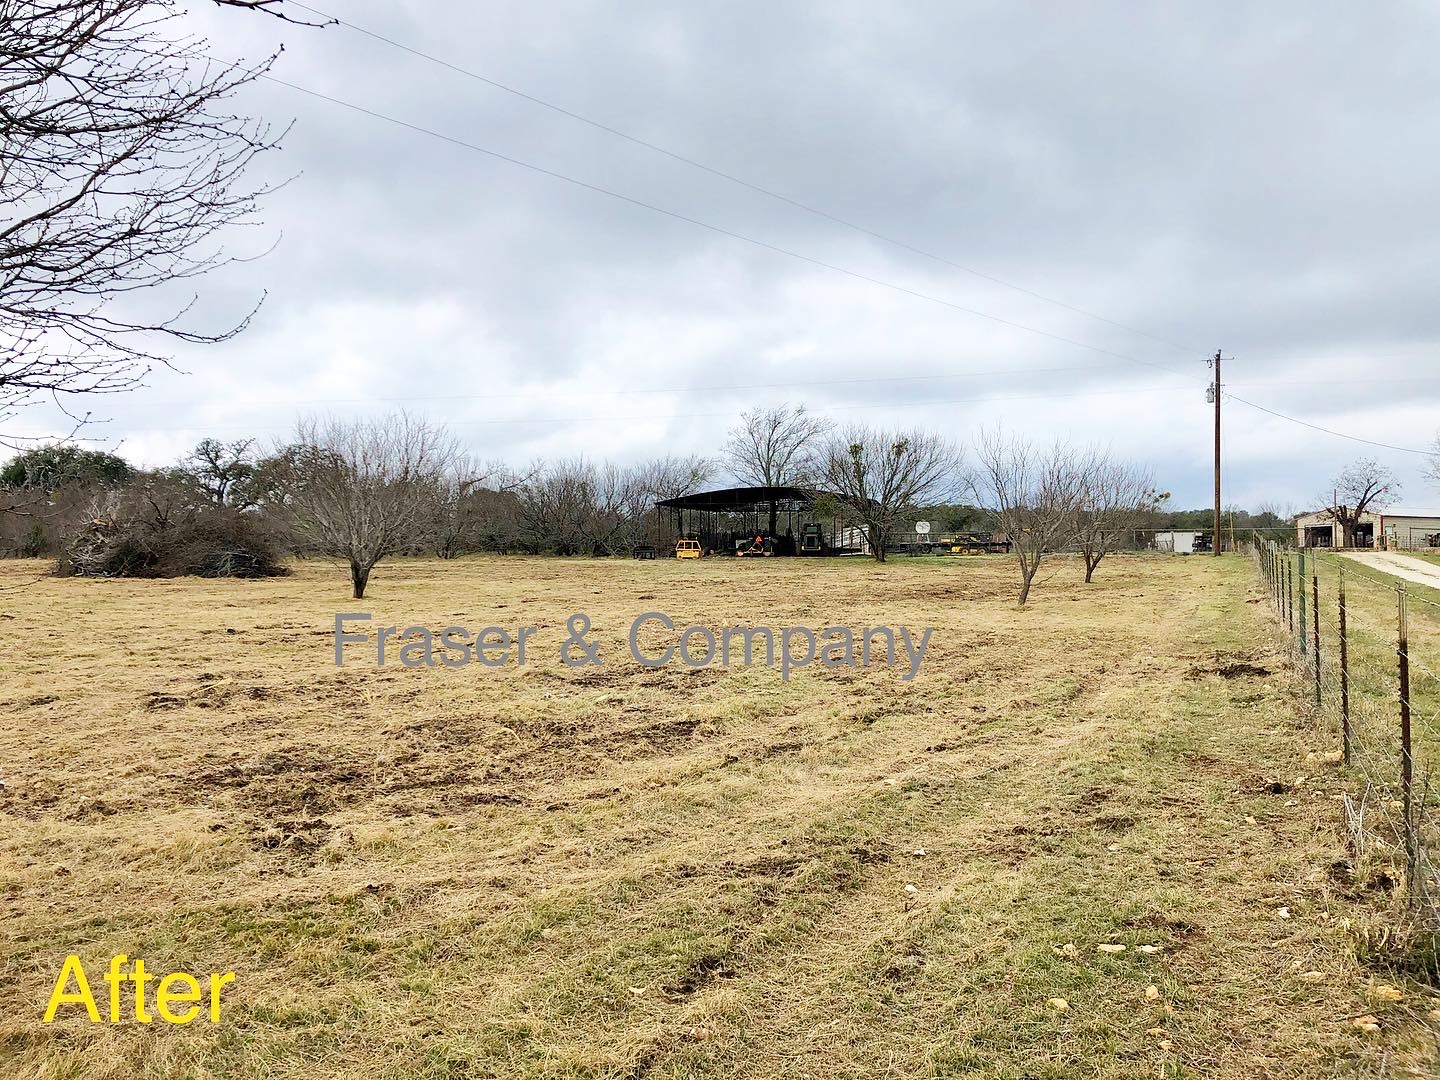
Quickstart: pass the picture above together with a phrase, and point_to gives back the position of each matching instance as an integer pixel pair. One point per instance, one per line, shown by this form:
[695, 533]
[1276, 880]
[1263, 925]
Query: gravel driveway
[1401, 566]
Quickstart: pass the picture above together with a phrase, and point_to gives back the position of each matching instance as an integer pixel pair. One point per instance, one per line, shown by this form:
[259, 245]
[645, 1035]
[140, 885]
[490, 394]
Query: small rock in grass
[1385, 992]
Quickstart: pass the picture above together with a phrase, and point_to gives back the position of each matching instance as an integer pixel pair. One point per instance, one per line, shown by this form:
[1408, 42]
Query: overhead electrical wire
[620, 392]
[1330, 431]
[718, 387]
[792, 201]
[729, 176]
[755, 241]
[720, 229]
[923, 403]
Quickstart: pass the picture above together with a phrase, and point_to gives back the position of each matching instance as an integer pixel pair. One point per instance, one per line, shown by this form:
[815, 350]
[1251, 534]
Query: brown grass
[617, 872]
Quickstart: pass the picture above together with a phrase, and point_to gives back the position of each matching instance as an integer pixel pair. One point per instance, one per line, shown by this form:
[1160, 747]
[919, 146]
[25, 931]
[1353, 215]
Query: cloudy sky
[1180, 178]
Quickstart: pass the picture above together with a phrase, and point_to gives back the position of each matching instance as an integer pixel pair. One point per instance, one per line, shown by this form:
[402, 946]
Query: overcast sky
[1261, 179]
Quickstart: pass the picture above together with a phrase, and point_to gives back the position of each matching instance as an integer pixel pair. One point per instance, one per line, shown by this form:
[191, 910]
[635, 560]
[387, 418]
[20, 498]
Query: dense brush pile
[130, 540]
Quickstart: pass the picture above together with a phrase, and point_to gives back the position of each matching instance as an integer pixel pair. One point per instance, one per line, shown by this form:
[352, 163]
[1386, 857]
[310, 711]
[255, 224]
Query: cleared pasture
[622, 872]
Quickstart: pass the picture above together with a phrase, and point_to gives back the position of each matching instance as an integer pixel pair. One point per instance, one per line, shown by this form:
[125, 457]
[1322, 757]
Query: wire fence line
[1367, 650]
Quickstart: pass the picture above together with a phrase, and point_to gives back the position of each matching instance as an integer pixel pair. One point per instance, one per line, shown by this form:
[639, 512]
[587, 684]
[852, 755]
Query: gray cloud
[1255, 178]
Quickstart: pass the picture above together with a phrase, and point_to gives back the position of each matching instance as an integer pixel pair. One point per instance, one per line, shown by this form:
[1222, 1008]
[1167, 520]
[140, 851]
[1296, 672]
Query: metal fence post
[1290, 594]
[1407, 764]
[1344, 676]
[1300, 573]
[1315, 628]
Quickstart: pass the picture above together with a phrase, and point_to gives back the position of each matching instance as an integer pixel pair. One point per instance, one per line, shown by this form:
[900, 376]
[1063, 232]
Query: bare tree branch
[121, 167]
[881, 476]
[273, 7]
[1364, 485]
[362, 490]
[1035, 495]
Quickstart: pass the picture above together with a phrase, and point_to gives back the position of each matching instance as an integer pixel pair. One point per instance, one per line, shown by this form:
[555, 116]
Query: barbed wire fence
[1366, 649]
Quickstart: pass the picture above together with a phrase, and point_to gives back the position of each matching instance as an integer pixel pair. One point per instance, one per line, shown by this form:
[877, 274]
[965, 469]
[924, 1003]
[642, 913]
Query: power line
[719, 229]
[1330, 431]
[231, 402]
[714, 415]
[728, 176]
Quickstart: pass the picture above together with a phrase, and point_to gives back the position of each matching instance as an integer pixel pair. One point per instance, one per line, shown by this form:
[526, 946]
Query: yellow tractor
[688, 549]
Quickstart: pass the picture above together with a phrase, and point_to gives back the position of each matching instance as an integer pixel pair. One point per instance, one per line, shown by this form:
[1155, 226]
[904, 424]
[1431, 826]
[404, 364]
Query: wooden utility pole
[1215, 392]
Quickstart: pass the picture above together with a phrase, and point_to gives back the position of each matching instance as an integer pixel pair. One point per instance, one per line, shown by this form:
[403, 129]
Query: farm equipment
[643, 551]
[812, 539]
[760, 546]
[978, 544]
[688, 549]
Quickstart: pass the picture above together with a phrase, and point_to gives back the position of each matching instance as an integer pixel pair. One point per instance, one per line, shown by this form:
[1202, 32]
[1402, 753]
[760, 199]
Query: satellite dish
[922, 527]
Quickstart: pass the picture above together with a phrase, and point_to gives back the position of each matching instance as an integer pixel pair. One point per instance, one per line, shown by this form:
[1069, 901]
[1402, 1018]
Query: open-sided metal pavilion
[728, 517]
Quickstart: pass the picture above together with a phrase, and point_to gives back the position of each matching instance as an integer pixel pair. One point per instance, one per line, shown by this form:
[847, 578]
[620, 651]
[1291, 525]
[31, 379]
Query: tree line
[359, 491]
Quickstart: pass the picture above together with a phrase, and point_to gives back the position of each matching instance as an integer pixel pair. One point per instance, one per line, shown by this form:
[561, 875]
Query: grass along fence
[1367, 649]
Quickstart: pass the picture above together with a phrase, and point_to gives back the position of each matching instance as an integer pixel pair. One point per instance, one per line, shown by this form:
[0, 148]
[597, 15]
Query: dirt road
[1401, 566]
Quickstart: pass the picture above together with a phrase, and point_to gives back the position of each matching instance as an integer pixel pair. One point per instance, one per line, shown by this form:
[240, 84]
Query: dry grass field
[624, 872]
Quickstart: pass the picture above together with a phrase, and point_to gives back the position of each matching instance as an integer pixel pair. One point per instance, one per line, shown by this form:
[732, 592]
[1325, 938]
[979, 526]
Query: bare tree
[120, 168]
[672, 476]
[882, 476]
[653, 481]
[1363, 486]
[776, 447]
[1116, 499]
[465, 503]
[1432, 463]
[1035, 495]
[361, 490]
[556, 504]
[575, 507]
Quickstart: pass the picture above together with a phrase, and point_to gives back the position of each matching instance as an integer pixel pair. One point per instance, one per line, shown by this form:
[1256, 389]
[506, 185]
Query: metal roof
[739, 498]
[1370, 516]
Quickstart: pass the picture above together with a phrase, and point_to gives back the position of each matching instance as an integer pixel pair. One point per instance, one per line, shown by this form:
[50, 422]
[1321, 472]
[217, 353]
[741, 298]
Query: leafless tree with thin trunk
[776, 447]
[1432, 463]
[361, 490]
[555, 504]
[121, 167]
[882, 476]
[1363, 486]
[575, 507]
[1116, 500]
[465, 503]
[1034, 493]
